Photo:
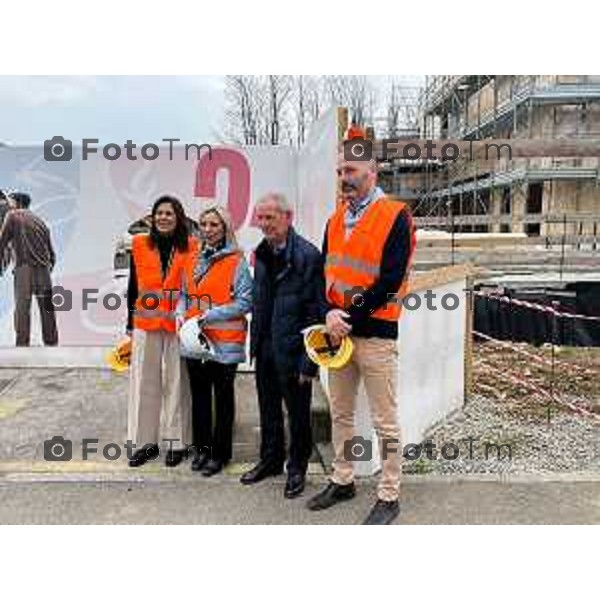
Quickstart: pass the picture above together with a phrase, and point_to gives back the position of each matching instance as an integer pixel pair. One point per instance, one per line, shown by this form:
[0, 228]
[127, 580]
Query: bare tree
[354, 91]
[308, 104]
[301, 109]
[279, 89]
[280, 109]
[242, 116]
[393, 109]
[257, 108]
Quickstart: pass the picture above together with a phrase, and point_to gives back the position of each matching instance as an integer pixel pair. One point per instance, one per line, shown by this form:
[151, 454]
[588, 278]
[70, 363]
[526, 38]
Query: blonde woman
[217, 290]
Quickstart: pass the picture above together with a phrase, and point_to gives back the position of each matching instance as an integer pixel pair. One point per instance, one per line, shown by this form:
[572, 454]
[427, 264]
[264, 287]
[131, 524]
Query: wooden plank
[468, 381]
[486, 99]
[507, 219]
[342, 119]
[428, 280]
[527, 259]
[509, 242]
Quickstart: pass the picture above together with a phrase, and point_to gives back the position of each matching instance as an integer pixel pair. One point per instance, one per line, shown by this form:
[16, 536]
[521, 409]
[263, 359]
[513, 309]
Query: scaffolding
[511, 193]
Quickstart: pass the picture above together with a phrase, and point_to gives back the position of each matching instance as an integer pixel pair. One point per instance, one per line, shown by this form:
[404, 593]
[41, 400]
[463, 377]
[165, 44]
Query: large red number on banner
[238, 169]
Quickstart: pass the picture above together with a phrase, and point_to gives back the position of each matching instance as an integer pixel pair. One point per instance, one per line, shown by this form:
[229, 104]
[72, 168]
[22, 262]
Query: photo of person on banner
[25, 239]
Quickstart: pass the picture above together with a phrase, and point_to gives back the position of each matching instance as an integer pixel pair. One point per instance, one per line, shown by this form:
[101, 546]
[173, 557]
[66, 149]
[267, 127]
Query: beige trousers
[375, 360]
[160, 403]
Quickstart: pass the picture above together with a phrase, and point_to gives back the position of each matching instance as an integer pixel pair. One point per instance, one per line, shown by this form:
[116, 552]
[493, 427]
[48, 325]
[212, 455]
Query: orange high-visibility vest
[354, 264]
[155, 304]
[213, 289]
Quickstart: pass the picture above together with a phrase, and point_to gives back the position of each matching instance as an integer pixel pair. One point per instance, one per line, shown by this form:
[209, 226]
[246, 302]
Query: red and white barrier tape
[540, 307]
[540, 359]
[538, 390]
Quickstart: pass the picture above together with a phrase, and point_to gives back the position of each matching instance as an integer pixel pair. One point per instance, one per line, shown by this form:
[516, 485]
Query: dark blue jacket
[297, 296]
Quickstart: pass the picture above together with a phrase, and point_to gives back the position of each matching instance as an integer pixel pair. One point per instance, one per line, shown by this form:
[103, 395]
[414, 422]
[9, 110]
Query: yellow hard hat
[119, 357]
[322, 351]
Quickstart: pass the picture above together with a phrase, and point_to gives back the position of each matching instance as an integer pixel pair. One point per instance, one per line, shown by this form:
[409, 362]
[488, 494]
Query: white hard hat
[194, 343]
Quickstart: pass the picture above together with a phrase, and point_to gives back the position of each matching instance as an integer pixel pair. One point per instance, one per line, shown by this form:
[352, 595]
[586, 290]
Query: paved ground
[39, 403]
[174, 499]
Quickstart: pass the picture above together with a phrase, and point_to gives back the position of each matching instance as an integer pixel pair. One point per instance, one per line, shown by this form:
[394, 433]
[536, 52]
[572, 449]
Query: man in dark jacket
[288, 296]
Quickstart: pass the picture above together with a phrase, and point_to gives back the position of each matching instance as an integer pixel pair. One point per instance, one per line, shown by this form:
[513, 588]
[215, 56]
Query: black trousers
[212, 382]
[274, 388]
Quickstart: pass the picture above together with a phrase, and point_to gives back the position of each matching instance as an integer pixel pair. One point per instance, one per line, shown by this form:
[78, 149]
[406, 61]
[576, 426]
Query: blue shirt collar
[358, 207]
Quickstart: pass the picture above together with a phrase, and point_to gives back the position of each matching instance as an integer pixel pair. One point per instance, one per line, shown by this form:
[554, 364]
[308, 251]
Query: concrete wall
[431, 373]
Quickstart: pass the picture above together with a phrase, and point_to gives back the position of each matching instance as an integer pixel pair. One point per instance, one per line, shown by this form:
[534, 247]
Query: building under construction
[531, 223]
[541, 196]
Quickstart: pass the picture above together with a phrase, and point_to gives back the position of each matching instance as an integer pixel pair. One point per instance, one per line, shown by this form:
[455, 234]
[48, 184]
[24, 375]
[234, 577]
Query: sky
[112, 109]
[118, 108]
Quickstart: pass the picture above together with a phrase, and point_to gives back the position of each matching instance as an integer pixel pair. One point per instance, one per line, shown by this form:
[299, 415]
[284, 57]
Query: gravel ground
[542, 433]
[568, 442]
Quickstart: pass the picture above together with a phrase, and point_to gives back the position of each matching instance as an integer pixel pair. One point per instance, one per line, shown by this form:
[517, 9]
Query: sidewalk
[36, 404]
[175, 499]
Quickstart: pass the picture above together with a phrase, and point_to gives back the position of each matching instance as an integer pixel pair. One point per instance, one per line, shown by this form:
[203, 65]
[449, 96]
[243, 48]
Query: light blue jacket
[241, 304]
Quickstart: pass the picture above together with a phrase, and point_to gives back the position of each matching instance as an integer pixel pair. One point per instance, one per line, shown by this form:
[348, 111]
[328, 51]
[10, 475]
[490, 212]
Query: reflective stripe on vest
[216, 285]
[353, 264]
[166, 294]
[157, 297]
[141, 313]
[200, 306]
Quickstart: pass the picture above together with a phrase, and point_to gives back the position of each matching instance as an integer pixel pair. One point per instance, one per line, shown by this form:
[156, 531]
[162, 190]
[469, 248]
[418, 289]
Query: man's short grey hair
[280, 200]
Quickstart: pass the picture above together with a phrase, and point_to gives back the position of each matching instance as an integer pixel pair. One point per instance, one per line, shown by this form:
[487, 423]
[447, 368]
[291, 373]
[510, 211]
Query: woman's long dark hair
[180, 235]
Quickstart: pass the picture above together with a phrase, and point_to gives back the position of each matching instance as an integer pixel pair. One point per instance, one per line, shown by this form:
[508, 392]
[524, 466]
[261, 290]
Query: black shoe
[331, 495]
[143, 455]
[174, 457]
[212, 467]
[199, 462]
[294, 485]
[383, 512]
[259, 472]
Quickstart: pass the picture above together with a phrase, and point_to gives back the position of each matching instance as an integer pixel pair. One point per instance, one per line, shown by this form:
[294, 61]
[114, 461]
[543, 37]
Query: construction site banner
[90, 205]
[317, 180]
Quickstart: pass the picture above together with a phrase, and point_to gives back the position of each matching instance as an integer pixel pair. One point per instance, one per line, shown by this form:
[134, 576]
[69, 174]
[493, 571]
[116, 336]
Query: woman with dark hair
[159, 390]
